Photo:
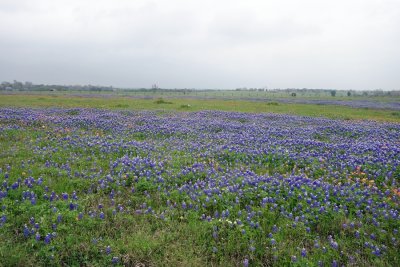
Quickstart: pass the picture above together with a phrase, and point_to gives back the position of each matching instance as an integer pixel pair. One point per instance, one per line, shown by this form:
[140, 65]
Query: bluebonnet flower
[72, 206]
[377, 252]
[64, 196]
[303, 252]
[115, 260]
[47, 238]
[26, 231]
[215, 235]
[357, 234]
[3, 219]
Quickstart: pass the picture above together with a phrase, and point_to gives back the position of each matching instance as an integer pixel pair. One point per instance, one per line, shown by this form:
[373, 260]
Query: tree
[333, 93]
[18, 85]
[348, 93]
[294, 94]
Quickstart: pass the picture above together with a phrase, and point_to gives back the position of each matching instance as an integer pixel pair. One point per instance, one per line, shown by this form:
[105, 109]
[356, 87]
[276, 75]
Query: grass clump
[272, 103]
[121, 106]
[162, 101]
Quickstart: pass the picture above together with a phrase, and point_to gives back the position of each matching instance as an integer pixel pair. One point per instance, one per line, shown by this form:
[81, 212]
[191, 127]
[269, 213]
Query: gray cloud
[214, 44]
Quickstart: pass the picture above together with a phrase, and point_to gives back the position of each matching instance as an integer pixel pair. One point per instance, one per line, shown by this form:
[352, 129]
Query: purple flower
[26, 231]
[64, 196]
[15, 185]
[215, 235]
[294, 258]
[303, 253]
[3, 220]
[72, 206]
[334, 245]
[377, 252]
[47, 238]
[114, 260]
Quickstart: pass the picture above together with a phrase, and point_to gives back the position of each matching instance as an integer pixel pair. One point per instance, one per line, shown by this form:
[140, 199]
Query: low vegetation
[82, 186]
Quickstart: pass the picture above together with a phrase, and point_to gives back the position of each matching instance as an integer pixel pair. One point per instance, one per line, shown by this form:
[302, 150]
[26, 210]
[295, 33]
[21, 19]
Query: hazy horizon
[202, 44]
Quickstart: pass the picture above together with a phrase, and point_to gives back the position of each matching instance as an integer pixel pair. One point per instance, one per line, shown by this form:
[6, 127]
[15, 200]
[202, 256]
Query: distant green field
[340, 95]
[188, 104]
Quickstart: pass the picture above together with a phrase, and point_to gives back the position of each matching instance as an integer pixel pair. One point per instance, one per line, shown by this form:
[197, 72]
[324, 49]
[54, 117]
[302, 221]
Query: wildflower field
[97, 187]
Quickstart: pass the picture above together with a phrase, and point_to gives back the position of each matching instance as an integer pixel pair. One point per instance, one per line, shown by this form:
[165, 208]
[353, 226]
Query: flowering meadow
[349, 103]
[155, 188]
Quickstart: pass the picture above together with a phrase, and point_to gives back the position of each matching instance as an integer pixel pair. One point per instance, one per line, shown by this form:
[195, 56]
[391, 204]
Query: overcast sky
[202, 44]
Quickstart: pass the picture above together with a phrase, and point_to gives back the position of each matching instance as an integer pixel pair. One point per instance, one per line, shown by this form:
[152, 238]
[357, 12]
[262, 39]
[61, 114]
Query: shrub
[162, 101]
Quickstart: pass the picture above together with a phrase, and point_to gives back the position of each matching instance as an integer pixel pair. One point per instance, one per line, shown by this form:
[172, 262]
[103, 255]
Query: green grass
[341, 95]
[116, 102]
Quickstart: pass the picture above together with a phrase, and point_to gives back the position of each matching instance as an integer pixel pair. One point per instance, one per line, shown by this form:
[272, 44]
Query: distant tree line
[29, 86]
[294, 92]
[320, 92]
